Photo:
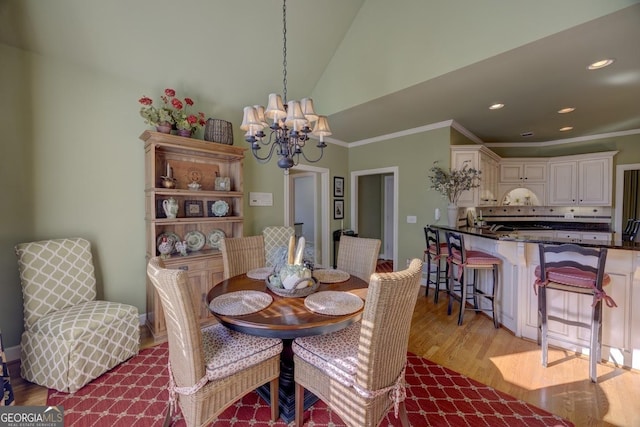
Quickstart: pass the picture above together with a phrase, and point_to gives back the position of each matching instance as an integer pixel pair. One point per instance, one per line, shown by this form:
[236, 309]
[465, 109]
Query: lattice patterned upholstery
[274, 239]
[69, 338]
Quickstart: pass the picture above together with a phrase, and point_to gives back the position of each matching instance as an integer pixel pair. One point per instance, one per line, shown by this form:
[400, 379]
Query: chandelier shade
[289, 123]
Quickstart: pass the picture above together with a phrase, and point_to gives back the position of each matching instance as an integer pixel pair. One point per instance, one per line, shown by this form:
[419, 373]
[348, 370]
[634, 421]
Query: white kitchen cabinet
[522, 171]
[581, 180]
[487, 162]
[518, 195]
[594, 182]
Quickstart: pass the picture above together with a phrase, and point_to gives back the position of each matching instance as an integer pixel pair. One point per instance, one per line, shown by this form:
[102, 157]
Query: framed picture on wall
[338, 209]
[338, 186]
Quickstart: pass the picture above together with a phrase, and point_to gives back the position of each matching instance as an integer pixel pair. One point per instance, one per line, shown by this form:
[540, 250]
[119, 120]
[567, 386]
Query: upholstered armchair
[276, 238]
[209, 369]
[69, 338]
[359, 371]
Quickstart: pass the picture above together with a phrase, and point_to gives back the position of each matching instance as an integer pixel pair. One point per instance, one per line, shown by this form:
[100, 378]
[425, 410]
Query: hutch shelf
[204, 215]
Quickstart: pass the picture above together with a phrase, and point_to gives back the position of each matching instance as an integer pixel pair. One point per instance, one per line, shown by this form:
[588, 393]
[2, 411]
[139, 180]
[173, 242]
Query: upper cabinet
[523, 171]
[581, 180]
[487, 162]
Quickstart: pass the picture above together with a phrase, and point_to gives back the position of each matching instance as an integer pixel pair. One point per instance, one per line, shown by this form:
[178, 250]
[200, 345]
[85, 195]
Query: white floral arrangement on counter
[451, 184]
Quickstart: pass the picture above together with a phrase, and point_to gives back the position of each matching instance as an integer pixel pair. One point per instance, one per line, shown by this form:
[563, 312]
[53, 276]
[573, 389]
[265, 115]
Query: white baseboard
[13, 353]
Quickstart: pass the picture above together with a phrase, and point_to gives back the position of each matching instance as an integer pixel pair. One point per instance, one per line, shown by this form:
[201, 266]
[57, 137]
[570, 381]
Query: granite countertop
[522, 236]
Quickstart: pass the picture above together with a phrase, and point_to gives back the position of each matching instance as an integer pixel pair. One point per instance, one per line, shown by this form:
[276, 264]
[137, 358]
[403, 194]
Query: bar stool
[459, 261]
[573, 268]
[434, 255]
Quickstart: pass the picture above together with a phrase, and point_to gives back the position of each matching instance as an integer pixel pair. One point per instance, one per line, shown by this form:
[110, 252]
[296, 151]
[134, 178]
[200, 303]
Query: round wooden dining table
[286, 318]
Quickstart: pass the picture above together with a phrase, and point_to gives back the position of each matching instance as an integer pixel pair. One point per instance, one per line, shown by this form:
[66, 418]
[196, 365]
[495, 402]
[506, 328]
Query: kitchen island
[517, 302]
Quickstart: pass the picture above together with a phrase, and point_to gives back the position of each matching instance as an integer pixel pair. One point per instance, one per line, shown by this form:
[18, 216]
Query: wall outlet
[568, 215]
[412, 219]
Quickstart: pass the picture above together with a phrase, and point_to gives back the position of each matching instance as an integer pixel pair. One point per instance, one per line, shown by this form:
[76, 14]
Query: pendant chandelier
[291, 122]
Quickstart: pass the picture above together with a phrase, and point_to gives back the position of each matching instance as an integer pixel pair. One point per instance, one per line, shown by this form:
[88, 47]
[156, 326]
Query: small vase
[452, 215]
[164, 127]
[184, 132]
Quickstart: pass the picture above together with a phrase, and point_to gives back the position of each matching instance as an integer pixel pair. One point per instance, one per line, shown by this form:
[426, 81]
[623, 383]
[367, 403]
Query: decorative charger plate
[195, 240]
[259, 273]
[240, 302]
[334, 303]
[170, 236]
[215, 237]
[220, 208]
[328, 275]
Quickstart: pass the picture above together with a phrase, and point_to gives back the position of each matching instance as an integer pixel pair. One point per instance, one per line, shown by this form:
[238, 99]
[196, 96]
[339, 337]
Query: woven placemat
[327, 275]
[334, 303]
[240, 302]
[259, 273]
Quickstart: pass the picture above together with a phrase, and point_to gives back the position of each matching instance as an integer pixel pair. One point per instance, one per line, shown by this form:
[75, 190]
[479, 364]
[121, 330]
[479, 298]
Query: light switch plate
[412, 219]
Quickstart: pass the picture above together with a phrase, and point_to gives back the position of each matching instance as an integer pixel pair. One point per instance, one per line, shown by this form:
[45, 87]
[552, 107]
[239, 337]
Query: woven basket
[220, 131]
[294, 293]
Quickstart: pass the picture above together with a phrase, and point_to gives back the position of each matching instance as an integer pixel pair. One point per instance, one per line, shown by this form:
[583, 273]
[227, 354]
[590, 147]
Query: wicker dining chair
[212, 368]
[358, 256]
[241, 254]
[359, 371]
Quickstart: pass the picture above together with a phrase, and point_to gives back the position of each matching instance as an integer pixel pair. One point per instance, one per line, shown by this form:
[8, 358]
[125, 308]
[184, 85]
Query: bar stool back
[572, 268]
[434, 254]
[460, 260]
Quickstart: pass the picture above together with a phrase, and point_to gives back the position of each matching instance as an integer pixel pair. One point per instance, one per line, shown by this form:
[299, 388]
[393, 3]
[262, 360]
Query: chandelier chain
[284, 50]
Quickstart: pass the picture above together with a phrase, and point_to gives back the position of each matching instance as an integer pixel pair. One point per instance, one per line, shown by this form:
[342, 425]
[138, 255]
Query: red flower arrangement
[172, 111]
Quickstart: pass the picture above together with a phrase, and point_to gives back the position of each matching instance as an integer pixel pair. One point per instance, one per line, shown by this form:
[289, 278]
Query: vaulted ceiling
[229, 52]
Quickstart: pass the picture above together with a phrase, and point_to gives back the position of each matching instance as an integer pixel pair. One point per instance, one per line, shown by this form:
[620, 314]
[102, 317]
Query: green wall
[413, 155]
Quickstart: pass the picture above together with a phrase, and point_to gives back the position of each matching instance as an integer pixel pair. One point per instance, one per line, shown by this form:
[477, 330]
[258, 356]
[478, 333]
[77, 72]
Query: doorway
[387, 209]
[306, 201]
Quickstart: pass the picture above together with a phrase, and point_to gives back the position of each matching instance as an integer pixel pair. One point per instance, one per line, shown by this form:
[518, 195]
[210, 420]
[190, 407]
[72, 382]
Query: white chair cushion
[336, 354]
[227, 352]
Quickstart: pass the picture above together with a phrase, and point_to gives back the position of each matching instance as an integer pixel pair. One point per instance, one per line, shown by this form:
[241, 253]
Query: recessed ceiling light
[566, 110]
[566, 128]
[496, 106]
[600, 64]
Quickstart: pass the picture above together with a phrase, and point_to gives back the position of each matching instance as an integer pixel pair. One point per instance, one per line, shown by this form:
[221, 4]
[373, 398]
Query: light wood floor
[496, 358]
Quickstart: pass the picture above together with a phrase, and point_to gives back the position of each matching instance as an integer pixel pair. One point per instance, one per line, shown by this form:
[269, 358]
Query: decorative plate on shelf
[218, 208]
[215, 237]
[195, 240]
[173, 237]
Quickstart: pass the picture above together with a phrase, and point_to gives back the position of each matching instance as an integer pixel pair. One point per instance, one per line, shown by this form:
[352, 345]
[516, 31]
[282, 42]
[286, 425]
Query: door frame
[324, 211]
[393, 170]
[620, 194]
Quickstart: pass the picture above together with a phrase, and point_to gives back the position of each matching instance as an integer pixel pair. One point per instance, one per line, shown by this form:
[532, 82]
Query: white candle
[342, 225]
[168, 170]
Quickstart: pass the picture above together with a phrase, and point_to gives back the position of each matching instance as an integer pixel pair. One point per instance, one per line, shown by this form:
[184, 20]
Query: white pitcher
[170, 207]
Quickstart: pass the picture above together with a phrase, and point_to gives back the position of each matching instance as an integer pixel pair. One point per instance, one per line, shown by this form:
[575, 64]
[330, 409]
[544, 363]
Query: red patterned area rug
[134, 395]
